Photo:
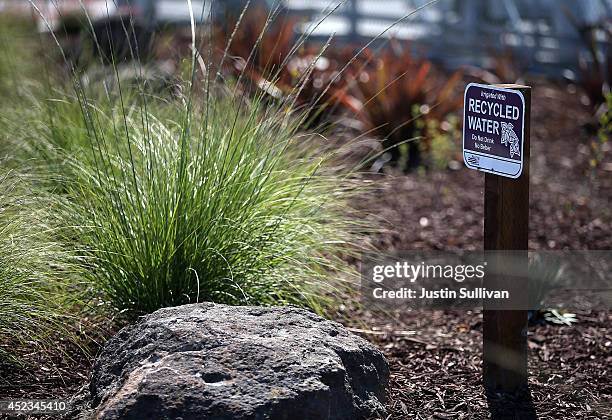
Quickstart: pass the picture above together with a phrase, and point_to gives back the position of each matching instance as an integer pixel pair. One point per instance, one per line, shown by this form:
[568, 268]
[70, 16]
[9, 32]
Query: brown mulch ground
[570, 203]
[436, 370]
[61, 372]
[435, 357]
[58, 377]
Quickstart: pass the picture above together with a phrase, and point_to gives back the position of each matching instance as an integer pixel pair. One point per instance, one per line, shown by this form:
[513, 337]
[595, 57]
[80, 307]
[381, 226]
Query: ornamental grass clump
[211, 199]
[36, 298]
[198, 193]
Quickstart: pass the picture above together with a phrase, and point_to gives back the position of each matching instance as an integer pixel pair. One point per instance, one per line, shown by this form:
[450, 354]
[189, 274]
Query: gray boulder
[208, 361]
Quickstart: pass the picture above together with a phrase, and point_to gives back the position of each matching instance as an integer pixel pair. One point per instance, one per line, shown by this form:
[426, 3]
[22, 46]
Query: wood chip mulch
[436, 369]
[435, 357]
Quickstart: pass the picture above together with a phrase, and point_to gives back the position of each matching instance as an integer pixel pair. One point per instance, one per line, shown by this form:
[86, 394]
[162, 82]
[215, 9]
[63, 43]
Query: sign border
[481, 169]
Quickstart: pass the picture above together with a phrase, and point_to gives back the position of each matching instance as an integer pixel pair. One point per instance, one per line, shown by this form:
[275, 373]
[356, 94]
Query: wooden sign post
[506, 227]
[497, 142]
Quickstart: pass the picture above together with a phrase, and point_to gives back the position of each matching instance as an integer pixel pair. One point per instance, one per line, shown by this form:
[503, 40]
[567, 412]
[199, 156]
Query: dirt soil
[435, 357]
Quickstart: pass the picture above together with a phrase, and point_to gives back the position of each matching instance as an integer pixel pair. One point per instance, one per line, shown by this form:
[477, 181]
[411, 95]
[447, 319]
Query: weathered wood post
[506, 227]
[497, 142]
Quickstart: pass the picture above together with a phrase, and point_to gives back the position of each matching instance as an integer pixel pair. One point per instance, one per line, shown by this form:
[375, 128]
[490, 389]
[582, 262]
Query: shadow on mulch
[503, 407]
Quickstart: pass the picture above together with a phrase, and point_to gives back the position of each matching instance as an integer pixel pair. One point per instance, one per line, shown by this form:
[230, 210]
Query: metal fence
[543, 35]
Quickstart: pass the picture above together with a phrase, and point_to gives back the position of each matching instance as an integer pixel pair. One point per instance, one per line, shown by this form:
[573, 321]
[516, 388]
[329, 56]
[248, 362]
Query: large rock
[207, 361]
